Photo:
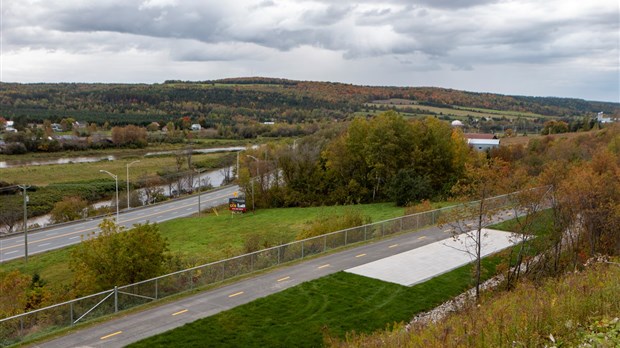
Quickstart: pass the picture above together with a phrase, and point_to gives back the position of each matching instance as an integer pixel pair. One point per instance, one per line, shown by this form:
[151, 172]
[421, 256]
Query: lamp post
[25, 187]
[199, 171]
[128, 164]
[116, 180]
[257, 174]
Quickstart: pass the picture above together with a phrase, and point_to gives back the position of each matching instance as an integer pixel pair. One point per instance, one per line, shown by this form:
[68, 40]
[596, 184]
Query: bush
[69, 209]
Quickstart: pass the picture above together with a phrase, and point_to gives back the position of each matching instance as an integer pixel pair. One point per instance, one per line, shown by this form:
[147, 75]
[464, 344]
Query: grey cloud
[327, 16]
[455, 4]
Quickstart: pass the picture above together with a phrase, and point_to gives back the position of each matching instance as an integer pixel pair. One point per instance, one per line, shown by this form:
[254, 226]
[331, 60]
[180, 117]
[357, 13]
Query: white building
[601, 119]
[481, 142]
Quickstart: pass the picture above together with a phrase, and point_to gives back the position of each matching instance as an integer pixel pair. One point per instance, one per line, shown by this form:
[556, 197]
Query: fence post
[115, 299]
[365, 232]
[324, 243]
[401, 223]
[346, 236]
[156, 288]
[280, 247]
[382, 230]
[302, 249]
[71, 312]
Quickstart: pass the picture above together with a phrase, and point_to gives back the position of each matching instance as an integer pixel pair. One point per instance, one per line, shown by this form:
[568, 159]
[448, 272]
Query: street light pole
[116, 180]
[128, 164]
[24, 187]
[257, 174]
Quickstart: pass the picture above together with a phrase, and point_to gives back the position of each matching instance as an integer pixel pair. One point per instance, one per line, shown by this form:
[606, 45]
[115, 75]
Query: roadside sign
[236, 204]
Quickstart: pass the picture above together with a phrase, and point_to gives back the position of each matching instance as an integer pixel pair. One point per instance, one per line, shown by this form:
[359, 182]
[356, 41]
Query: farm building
[481, 142]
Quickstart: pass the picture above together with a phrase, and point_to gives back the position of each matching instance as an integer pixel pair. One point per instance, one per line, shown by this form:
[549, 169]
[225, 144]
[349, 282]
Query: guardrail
[16, 328]
[113, 213]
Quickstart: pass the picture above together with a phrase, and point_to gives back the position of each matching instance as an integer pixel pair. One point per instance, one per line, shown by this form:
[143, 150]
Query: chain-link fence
[15, 328]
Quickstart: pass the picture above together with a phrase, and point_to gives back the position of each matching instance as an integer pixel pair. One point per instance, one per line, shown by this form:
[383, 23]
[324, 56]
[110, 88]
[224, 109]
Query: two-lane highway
[60, 236]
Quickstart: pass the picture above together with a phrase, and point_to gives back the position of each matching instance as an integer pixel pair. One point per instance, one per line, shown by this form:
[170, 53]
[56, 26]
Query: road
[134, 327]
[67, 234]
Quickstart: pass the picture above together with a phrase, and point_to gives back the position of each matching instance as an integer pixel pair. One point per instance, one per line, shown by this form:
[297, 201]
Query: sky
[563, 48]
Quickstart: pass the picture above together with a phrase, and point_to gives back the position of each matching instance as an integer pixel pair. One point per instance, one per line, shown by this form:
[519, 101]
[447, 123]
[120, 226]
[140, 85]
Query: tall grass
[560, 312]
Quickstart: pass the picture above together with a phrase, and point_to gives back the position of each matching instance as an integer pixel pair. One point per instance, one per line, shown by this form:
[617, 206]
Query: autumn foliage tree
[69, 209]
[483, 180]
[129, 136]
[117, 256]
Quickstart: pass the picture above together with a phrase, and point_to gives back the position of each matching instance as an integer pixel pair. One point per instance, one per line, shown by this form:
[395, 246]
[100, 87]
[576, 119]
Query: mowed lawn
[333, 305]
[210, 237]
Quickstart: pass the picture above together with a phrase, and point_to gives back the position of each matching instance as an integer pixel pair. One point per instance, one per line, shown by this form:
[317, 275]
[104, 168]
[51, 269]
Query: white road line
[44, 244]
[76, 237]
[10, 252]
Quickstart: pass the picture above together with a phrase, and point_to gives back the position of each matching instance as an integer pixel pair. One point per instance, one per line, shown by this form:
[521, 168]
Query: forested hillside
[258, 99]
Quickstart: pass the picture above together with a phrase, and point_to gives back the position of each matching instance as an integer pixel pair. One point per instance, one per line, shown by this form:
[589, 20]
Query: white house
[196, 127]
[9, 127]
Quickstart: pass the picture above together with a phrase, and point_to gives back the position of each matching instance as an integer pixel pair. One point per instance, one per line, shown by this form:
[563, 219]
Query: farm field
[524, 140]
[64, 173]
[456, 111]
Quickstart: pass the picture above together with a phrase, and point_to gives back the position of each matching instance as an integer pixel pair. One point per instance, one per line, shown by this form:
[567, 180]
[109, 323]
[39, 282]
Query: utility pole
[238, 164]
[25, 187]
[128, 164]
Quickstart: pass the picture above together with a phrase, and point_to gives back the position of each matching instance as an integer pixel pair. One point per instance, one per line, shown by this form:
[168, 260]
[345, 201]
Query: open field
[62, 173]
[130, 153]
[525, 140]
[332, 305]
[210, 238]
[459, 112]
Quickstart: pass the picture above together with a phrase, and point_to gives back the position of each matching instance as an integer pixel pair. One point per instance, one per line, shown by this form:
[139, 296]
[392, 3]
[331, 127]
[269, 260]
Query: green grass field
[62, 173]
[210, 238]
[333, 305]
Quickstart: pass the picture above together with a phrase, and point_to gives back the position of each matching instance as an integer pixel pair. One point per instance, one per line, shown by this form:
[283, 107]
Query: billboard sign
[237, 204]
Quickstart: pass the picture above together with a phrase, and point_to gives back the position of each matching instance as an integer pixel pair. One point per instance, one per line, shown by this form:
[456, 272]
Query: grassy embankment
[575, 310]
[210, 237]
[302, 315]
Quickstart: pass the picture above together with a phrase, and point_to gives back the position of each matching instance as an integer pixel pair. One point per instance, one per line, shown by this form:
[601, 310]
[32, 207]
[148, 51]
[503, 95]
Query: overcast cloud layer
[567, 48]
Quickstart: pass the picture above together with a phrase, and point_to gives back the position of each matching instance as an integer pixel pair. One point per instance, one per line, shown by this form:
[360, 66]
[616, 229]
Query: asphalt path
[60, 236]
[134, 327]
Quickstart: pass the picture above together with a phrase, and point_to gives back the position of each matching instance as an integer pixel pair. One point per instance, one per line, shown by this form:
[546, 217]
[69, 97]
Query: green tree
[117, 257]
[409, 187]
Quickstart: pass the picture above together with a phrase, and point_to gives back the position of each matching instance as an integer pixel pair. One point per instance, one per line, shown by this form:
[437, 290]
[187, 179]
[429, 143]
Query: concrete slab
[418, 265]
